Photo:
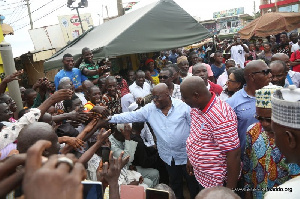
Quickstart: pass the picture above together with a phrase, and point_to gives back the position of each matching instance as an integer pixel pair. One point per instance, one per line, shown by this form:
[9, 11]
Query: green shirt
[89, 66]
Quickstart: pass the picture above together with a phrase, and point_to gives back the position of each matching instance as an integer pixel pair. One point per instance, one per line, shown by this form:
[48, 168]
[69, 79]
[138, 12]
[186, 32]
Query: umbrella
[7, 29]
[271, 24]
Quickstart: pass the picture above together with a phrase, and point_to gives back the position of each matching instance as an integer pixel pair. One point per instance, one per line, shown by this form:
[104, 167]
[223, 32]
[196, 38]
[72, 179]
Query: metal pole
[120, 8]
[80, 20]
[29, 14]
[9, 68]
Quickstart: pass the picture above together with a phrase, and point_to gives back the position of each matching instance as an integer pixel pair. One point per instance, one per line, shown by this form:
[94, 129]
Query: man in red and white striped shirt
[213, 145]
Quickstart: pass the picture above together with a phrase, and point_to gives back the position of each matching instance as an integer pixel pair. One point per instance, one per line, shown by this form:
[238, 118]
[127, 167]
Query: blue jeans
[176, 174]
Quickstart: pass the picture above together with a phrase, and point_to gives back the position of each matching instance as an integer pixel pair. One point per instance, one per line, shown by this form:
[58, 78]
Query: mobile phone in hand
[156, 194]
[105, 154]
[92, 190]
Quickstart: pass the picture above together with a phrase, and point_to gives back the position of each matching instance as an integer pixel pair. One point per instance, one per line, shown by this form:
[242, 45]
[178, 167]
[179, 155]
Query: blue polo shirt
[245, 109]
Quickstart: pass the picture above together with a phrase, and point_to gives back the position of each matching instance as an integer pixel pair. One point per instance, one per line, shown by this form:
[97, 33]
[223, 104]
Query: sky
[44, 13]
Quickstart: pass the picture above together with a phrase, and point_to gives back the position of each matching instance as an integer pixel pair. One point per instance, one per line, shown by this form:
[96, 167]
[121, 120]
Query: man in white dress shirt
[140, 88]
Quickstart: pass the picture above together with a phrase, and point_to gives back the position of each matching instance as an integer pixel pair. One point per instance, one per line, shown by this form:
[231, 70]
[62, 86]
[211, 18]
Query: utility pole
[79, 20]
[81, 4]
[29, 14]
[120, 8]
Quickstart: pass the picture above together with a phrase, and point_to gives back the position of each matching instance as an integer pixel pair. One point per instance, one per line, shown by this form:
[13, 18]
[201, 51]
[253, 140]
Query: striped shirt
[213, 133]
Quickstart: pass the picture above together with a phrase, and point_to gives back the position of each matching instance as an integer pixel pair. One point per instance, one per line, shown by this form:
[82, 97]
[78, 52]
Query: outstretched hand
[110, 172]
[76, 143]
[103, 135]
[60, 95]
[12, 77]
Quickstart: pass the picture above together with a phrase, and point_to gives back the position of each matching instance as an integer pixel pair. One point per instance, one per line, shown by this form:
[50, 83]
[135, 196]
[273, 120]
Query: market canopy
[271, 24]
[158, 26]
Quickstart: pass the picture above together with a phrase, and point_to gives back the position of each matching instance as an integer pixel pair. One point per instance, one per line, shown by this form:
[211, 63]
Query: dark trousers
[176, 174]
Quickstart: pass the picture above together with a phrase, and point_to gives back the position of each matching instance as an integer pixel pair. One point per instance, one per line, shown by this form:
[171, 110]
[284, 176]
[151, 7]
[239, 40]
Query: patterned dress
[113, 103]
[264, 166]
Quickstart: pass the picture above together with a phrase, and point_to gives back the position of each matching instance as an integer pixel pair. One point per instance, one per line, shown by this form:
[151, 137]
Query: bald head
[87, 84]
[257, 75]
[282, 57]
[254, 66]
[217, 192]
[161, 96]
[65, 83]
[194, 92]
[34, 132]
[279, 56]
[194, 84]
[161, 87]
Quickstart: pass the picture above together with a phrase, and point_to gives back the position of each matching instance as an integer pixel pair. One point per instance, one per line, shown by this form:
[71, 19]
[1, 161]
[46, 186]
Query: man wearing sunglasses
[166, 76]
[257, 75]
[262, 157]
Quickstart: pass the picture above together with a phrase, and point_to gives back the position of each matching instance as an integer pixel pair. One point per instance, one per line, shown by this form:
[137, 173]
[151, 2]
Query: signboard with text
[70, 25]
[228, 13]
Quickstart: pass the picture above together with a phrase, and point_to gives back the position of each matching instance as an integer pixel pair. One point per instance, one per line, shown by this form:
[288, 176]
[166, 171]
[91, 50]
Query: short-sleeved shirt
[238, 54]
[217, 71]
[89, 66]
[245, 109]
[75, 75]
[213, 134]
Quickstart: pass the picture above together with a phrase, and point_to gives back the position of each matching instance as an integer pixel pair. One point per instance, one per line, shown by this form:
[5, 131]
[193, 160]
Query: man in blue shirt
[173, 56]
[170, 121]
[218, 67]
[257, 75]
[73, 73]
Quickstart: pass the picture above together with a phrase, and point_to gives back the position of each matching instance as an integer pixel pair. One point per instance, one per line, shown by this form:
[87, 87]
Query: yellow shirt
[89, 105]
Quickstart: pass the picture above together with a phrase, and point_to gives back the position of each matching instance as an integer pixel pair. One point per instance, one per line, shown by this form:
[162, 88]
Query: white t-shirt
[295, 47]
[238, 55]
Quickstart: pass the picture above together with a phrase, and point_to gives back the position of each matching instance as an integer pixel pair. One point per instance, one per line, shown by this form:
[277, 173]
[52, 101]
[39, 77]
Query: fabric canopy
[271, 24]
[159, 26]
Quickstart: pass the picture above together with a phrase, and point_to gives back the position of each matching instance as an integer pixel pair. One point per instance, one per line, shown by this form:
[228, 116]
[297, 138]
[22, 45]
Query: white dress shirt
[138, 91]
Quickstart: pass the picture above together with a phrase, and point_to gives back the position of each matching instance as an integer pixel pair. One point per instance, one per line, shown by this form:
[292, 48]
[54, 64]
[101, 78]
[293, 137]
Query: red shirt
[213, 133]
[123, 88]
[217, 89]
[293, 58]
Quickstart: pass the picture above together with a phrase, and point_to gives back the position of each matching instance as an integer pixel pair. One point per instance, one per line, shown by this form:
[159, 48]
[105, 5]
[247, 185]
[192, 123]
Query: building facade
[279, 6]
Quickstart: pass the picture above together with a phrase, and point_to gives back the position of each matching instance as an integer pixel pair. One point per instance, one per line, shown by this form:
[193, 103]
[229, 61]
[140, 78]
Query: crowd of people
[223, 118]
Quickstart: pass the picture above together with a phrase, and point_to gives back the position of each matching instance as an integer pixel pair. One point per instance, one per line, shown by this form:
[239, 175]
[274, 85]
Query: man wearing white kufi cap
[286, 128]
[264, 166]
